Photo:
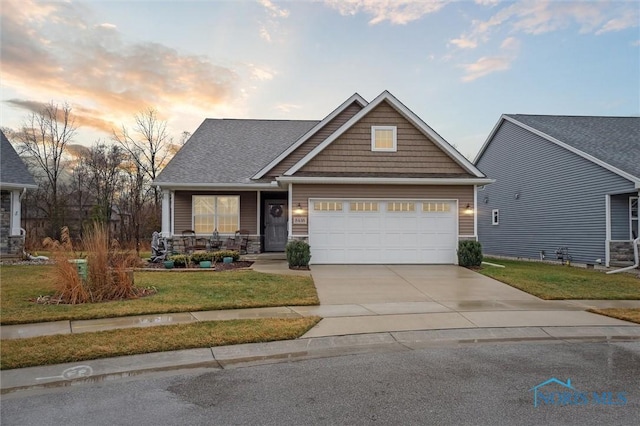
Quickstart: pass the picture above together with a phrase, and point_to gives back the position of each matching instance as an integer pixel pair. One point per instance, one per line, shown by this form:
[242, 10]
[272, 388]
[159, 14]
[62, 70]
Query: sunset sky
[459, 65]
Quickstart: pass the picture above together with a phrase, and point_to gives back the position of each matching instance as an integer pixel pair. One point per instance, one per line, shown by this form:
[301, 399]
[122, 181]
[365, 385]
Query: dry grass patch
[47, 350]
[626, 314]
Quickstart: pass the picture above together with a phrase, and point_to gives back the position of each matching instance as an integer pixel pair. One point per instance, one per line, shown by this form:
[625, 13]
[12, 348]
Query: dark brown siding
[464, 195]
[314, 140]
[351, 152]
[183, 214]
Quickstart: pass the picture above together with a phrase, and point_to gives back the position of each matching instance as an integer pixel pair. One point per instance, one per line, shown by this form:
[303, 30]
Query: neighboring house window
[633, 216]
[327, 206]
[495, 217]
[384, 138]
[435, 207]
[211, 212]
[364, 206]
[401, 206]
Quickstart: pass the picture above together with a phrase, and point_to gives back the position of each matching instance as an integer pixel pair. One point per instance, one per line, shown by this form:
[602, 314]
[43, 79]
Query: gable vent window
[327, 206]
[401, 207]
[495, 217]
[384, 138]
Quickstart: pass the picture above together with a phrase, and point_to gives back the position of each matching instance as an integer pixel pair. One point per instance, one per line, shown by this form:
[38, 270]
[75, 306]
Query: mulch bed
[241, 264]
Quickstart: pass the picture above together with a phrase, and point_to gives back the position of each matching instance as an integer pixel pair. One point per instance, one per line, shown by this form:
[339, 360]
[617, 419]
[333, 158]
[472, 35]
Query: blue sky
[457, 64]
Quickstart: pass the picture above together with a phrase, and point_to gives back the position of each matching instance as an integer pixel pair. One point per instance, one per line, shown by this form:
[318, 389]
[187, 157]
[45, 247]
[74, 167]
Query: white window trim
[495, 217]
[215, 218]
[394, 130]
[632, 218]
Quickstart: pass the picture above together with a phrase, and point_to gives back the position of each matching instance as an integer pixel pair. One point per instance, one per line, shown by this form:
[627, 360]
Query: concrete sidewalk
[365, 318]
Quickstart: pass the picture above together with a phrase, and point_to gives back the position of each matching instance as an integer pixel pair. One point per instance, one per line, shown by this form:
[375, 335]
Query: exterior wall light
[468, 209]
[298, 209]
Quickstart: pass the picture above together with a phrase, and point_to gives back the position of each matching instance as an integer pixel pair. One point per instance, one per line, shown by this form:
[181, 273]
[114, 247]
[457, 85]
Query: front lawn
[48, 350]
[627, 314]
[563, 282]
[177, 292]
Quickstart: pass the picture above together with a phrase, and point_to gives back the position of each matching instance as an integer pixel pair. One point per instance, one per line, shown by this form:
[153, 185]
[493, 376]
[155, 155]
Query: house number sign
[299, 220]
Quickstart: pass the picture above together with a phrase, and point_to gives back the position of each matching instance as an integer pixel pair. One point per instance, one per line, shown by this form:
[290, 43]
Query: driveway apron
[383, 298]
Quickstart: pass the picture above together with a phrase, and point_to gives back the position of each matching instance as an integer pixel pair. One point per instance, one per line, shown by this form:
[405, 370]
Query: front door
[275, 225]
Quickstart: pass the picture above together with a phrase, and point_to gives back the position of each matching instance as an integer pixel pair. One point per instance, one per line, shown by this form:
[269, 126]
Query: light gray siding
[548, 197]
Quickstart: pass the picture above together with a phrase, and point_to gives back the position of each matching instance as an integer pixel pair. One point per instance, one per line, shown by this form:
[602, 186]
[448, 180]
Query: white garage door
[382, 231]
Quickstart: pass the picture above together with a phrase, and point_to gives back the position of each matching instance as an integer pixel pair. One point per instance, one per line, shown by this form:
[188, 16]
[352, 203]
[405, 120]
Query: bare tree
[44, 138]
[148, 143]
[134, 194]
[102, 168]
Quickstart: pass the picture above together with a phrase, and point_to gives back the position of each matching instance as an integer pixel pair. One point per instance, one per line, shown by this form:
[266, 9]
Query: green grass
[563, 282]
[627, 314]
[58, 349]
[177, 292]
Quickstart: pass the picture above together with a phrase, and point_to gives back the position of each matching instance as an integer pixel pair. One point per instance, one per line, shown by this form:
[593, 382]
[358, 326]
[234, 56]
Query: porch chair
[189, 240]
[239, 241]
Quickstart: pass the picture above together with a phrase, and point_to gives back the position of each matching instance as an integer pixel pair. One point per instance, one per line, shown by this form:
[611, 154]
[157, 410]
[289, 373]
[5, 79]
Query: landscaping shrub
[298, 253]
[469, 253]
[219, 255]
[180, 260]
[200, 256]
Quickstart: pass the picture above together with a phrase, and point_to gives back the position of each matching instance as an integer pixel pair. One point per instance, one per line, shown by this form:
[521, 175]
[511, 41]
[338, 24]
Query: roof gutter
[385, 181]
[6, 185]
[223, 186]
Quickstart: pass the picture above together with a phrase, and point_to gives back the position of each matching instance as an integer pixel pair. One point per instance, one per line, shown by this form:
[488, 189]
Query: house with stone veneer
[369, 183]
[15, 179]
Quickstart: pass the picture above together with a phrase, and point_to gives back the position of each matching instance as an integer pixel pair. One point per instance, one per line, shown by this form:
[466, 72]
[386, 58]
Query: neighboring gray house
[14, 180]
[561, 181]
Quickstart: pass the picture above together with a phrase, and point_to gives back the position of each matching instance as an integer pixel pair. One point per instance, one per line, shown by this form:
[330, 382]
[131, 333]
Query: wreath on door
[276, 211]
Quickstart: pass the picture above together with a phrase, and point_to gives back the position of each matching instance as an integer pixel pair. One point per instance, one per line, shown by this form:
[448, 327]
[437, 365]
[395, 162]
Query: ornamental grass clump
[110, 269]
[69, 286]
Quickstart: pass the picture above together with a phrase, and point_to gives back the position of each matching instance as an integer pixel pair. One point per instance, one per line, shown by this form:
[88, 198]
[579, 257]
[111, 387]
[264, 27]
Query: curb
[226, 357]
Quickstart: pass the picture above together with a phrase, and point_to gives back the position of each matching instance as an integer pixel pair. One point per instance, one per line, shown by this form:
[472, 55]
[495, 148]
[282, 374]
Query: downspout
[635, 256]
[24, 192]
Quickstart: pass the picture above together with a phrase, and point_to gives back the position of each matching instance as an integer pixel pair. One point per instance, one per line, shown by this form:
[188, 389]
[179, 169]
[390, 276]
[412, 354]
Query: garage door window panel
[327, 206]
[401, 206]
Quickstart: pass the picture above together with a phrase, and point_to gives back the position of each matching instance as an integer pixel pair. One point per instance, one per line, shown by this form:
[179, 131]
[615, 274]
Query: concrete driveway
[382, 298]
[341, 284]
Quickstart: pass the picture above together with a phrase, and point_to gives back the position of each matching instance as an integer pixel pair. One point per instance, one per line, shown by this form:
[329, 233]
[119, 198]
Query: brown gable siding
[183, 215]
[314, 140]
[464, 195]
[351, 152]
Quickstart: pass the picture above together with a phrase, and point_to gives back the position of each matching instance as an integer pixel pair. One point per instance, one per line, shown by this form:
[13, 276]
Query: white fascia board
[385, 181]
[489, 138]
[9, 186]
[355, 98]
[409, 115]
[218, 186]
[576, 151]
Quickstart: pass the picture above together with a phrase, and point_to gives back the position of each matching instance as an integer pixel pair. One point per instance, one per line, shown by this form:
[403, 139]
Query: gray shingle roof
[230, 150]
[614, 140]
[13, 171]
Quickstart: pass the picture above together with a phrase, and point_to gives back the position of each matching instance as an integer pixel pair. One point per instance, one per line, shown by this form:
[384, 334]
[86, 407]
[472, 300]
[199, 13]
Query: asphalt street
[487, 384]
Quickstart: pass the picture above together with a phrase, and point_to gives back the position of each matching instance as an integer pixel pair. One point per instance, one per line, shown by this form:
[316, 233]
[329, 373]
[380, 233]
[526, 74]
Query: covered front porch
[211, 218]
